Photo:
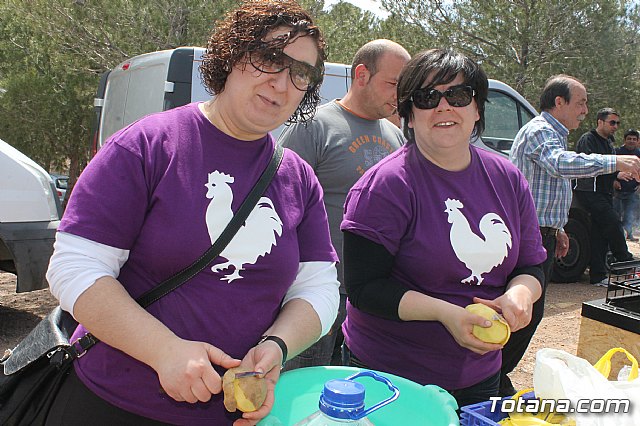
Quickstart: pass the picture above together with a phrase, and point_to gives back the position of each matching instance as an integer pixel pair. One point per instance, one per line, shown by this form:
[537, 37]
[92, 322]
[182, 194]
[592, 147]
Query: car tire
[571, 267]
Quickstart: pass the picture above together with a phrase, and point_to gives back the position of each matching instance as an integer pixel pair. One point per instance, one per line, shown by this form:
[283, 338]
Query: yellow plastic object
[519, 394]
[542, 418]
[499, 332]
[604, 364]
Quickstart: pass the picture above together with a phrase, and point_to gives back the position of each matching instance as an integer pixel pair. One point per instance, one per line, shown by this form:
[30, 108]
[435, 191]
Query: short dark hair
[237, 33]
[368, 56]
[557, 85]
[604, 113]
[632, 132]
[443, 65]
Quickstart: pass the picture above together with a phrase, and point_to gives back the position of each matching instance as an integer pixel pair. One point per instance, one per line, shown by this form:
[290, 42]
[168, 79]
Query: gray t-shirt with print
[340, 147]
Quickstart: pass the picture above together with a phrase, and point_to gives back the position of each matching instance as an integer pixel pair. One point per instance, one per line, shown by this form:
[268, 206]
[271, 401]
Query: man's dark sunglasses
[272, 61]
[456, 96]
[614, 123]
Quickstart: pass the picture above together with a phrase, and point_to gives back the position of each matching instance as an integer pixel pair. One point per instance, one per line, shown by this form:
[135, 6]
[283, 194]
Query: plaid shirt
[540, 151]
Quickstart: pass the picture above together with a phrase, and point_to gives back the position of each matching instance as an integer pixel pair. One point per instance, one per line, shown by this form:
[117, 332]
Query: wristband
[280, 343]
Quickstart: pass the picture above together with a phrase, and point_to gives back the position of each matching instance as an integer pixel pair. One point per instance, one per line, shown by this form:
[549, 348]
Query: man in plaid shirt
[540, 151]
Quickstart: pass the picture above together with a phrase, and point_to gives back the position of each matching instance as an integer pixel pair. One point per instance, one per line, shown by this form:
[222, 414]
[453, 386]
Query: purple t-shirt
[454, 235]
[164, 188]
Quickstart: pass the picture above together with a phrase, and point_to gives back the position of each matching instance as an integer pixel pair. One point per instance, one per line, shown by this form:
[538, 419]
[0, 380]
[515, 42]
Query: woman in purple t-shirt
[438, 225]
[157, 195]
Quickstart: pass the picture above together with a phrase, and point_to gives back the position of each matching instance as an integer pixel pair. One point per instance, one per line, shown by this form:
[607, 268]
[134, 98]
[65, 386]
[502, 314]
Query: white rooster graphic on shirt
[479, 255]
[254, 239]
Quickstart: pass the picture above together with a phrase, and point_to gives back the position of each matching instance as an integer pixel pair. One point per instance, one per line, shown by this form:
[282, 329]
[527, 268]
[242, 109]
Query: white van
[30, 212]
[162, 80]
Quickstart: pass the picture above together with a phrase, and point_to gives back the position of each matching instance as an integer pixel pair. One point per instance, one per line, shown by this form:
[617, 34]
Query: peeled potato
[499, 332]
[245, 393]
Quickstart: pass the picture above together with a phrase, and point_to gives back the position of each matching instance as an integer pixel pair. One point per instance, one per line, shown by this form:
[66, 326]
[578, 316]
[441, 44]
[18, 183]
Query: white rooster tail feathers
[267, 201]
[265, 204]
[492, 224]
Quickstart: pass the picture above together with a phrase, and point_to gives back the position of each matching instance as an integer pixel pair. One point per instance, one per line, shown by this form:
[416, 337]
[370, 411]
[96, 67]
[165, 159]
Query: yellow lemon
[499, 332]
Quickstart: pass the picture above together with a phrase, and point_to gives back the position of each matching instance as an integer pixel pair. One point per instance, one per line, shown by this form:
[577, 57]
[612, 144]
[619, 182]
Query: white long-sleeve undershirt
[77, 263]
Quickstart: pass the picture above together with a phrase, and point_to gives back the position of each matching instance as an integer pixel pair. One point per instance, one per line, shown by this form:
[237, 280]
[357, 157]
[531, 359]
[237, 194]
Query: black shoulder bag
[35, 369]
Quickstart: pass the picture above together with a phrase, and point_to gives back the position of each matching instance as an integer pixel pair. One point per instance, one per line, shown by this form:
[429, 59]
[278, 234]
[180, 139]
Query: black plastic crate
[623, 290]
[602, 311]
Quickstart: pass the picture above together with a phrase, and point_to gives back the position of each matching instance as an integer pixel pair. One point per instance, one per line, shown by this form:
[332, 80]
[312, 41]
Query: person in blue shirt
[625, 196]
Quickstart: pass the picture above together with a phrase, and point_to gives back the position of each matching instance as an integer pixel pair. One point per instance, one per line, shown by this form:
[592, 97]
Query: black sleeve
[367, 270]
[584, 144]
[536, 271]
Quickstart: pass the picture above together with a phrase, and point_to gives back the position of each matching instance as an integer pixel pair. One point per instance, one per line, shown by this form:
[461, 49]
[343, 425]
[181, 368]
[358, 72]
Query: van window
[198, 91]
[504, 117]
[143, 90]
[114, 105]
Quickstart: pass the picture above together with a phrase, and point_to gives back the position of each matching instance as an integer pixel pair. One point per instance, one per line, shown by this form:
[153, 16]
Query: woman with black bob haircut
[445, 65]
[156, 197]
[434, 227]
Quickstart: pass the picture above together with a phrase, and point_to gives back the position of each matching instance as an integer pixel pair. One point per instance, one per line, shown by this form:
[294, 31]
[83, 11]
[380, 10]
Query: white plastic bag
[560, 375]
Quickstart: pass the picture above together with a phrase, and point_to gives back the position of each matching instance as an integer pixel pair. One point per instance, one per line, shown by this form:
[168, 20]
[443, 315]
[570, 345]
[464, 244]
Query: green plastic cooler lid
[298, 392]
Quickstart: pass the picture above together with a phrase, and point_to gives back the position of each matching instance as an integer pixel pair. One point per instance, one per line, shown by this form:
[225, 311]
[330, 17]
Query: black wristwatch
[280, 342]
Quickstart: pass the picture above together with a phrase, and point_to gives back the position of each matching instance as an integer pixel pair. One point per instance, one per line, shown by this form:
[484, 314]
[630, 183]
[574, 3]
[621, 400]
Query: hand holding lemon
[499, 332]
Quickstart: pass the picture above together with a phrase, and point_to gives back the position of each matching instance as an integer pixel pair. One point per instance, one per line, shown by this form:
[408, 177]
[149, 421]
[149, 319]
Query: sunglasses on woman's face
[456, 96]
[273, 61]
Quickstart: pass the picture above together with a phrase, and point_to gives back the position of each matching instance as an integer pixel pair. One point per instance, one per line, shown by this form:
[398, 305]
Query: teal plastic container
[298, 391]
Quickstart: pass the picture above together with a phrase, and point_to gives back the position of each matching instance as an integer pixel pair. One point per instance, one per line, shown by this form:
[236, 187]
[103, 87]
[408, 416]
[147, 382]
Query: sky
[370, 5]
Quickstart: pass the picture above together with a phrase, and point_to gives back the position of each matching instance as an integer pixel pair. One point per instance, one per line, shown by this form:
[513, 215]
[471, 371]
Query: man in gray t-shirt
[345, 138]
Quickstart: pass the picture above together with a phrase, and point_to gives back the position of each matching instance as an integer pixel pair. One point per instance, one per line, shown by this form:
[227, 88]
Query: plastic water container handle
[393, 388]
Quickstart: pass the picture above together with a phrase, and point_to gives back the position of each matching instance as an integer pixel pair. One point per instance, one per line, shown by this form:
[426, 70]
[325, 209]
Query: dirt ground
[559, 329]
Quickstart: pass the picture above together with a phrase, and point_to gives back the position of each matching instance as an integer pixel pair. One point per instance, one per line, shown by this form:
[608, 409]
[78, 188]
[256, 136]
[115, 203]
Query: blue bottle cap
[342, 399]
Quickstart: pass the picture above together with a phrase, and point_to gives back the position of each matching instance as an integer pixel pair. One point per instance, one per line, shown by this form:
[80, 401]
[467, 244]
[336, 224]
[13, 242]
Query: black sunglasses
[613, 123]
[456, 96]
[273, 61]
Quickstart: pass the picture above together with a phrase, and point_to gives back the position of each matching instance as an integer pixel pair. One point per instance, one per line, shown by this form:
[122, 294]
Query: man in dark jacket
[625, 196]
[596, 195]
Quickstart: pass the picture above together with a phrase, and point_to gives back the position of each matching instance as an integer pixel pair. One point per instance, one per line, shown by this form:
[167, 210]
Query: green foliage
[52, 52]
[346, 28]
[411, 36]
[523, 42]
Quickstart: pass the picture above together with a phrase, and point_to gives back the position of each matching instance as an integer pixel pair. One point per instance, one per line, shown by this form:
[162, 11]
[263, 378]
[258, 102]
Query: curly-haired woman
[154, 199]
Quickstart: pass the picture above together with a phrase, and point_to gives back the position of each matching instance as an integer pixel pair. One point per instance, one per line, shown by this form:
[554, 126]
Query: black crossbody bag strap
[223, 240]
[212, 252]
